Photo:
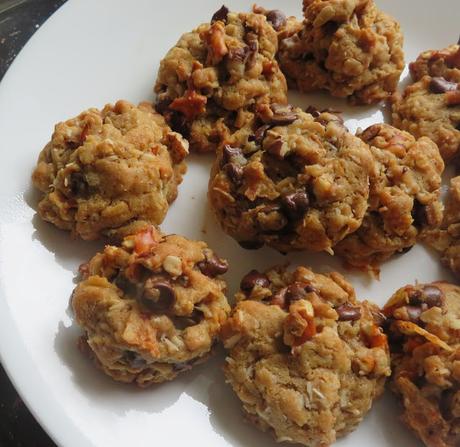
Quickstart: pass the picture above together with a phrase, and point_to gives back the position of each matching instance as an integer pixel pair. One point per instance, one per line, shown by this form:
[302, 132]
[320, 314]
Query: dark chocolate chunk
[441, 85]
[213, 266]
[295, 204]
[277, 18]
[221, 15]
[348, 313]
[252, 279]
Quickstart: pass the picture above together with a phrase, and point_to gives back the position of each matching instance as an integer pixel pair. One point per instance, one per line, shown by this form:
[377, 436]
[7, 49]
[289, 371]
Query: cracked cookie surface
[152, 307]
[403, 199]
[348, 47]
[423, 330]
[109, 170]
[216, 73]
[298, 182]
[306, 358]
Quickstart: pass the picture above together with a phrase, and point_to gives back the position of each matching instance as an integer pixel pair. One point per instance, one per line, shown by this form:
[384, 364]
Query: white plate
[93, 52]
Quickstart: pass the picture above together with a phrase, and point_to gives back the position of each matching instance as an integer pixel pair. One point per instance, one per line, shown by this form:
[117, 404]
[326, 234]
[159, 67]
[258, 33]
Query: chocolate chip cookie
[109, 170]
[431, 106]
[423, 329]
[438, 64]
[306, 358]
[298, 182]
[152, 307]
[348, 47]
[446, 238]
[403, 199]
[216, 73]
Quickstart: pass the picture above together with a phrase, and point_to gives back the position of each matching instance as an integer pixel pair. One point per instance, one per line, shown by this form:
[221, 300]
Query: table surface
[19, 19]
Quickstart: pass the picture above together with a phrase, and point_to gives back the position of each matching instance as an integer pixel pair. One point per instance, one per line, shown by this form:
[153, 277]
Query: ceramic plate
[87, 54]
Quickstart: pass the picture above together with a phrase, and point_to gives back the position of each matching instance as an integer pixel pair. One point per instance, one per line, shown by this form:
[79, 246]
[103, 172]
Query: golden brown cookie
[109, 170]
[403, 199]
[423, 329]
[216, 73]
[348, 47]
[431, 108]
[299, 182]
[438, 64]
[152, 307]
[306, 358]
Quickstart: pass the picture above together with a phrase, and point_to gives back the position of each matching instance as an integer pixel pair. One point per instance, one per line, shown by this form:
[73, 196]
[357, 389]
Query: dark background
[19, 19]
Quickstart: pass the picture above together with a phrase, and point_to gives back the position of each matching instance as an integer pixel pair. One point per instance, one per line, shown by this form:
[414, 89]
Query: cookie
[430, 108]
[109, 170]
[299, 182]
[347, 47]
[216, 73]
[438, 64]
[152, 307]
[423, 329]
[306, 358]
[403, 199]
[446, 238]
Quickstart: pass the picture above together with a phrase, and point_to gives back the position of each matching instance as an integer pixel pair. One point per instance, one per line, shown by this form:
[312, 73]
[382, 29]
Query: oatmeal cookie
[216, 73]
[403, 199]
[299, 182]
[347, 47]
[438, 64]
[152, 307]
[423, 329]
[431, 108]
[446, 238]
[109, 170]
[306, 358]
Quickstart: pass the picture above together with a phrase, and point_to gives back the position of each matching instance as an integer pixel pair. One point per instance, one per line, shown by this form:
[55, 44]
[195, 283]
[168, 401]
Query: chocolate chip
[348, 313]
[162, 105]
[240, 54]
[221, 15]
[234, 173]
[433, 296]
[252, 279]
[277, 18]
[296, 291]
[283, 114]
[259, 134]
[213, 266]
[313, 111]
[251, 245]
[178, 122]
[330, 27]
[158, 294]
[441, 85]
[295, 204]
[78, 184]
[133, 359]
[415, 297]
[419, 214]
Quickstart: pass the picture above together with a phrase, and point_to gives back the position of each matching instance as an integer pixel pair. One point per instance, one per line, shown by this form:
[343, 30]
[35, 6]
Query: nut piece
[173, 265]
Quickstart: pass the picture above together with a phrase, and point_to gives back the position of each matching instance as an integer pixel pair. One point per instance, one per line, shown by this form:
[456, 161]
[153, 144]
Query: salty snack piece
[109, 170]
[446, 238]
[299, 182]
[152, 307]
[403, 199]
[423, 329]
[217, 73]
[431, 108]
[306, 358]
[443, 64]
[348, 47]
